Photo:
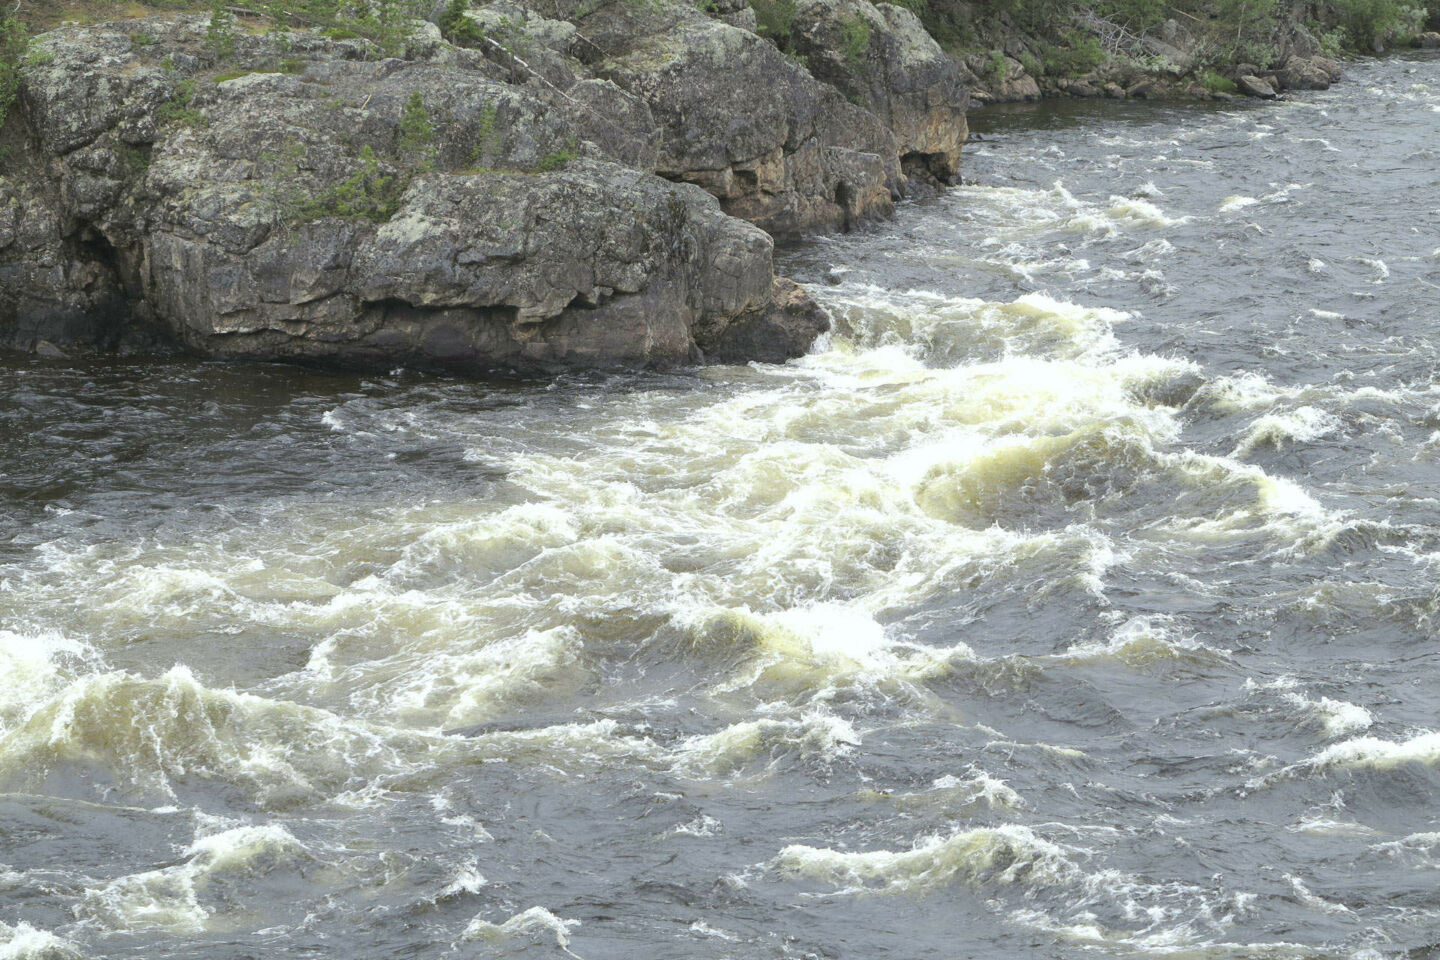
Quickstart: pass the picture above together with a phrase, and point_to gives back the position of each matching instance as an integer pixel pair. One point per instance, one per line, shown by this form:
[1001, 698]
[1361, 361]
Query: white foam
[535, 925]
[993, 856]
[729, 750]
[36, 665]
[467, 879]
[172, 898]
[149, 732]
[1142, 641]
[1301, 425]
[1377, 754]
[977, 787]
[24, 942]
[1235, 203]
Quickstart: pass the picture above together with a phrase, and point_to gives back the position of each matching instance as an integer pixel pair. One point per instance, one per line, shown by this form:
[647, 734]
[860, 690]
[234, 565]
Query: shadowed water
[1075, 599]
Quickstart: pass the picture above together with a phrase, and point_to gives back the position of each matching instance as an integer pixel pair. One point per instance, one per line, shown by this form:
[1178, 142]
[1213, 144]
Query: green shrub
[179, 109]
[1216, 83]
[855, 38]
[1370, 22]
[1332, 41]
[1251, 21]
[369, 194]
[385, 23]
[998, 68]
[1077, 54]
[14, 45]
[557, 159]
[487, 137]
[136, 161]
[774, 19]
[1137, 16]
[458, 28]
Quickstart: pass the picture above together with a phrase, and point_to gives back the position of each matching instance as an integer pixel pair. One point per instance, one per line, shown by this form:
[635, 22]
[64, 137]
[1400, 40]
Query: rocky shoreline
[1159, 67]
[557, 198]
[520, 186]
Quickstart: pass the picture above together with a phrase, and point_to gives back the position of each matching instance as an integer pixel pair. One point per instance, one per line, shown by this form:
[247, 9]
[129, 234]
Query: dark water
[1079, 599]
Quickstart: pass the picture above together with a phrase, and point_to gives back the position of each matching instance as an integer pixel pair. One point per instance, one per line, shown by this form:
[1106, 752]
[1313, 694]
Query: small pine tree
[392, 25]
[416, 137]
[220, 35]
[458, 28]
[14, 42]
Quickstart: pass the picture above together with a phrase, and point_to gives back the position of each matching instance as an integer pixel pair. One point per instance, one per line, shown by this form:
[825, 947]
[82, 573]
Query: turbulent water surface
[1077, 598]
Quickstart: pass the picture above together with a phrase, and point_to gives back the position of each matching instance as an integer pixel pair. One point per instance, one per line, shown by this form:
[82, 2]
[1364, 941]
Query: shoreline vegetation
[1028, 49]
[1008, 49]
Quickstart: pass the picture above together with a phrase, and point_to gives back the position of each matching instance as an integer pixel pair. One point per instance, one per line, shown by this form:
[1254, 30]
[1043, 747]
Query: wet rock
[54, 287]
[1330, 66]
[785, 328]
[1429, 40]
[1253, 86]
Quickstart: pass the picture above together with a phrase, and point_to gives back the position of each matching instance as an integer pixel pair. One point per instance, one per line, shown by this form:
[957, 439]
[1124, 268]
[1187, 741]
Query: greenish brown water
[1076, 599]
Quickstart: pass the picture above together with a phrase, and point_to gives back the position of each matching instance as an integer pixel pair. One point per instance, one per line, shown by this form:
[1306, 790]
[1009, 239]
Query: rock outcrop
[880, 57]
[576, 189]
[741, 120]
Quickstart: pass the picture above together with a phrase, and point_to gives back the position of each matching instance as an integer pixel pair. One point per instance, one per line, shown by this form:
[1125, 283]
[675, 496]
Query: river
[1076, 598]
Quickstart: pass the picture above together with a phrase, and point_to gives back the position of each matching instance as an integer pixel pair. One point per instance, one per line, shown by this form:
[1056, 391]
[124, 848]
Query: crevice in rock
[845, 200]
[927, 172]
[107, 316]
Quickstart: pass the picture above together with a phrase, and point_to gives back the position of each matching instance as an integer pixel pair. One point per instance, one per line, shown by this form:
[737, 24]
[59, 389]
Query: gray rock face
[595, 265]
[882, 58]
[753, 128]
[579, 198]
